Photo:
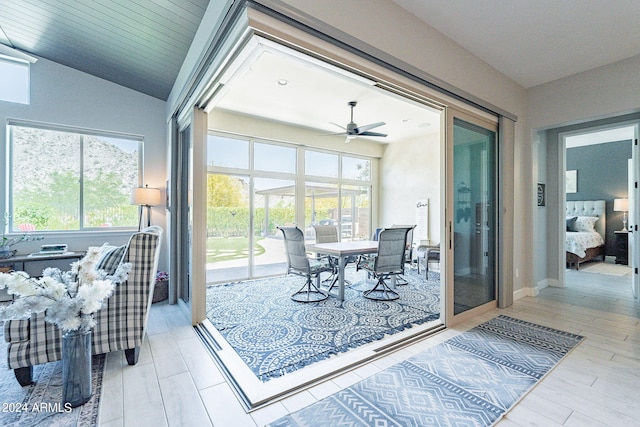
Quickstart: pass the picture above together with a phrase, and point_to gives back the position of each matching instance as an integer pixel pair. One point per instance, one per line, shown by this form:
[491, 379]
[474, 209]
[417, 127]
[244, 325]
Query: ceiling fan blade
[371, 134]
[365, 128]
[340, 126]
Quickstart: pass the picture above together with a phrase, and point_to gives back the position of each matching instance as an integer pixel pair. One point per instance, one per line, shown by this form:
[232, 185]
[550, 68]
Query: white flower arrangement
[68, 299]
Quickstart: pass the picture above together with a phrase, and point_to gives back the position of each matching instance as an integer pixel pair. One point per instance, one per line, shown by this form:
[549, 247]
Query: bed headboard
[589, 208]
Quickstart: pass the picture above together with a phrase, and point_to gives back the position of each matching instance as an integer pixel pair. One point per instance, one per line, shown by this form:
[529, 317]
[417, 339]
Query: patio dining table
[342, 250]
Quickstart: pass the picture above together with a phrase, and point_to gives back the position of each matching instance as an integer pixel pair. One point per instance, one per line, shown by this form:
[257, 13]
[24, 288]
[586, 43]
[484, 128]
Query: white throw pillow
[585, 223]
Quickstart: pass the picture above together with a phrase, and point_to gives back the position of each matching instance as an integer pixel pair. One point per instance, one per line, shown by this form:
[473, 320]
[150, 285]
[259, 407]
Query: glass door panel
[473, 223]
[274, 205]
[355, 219]
[228, 218]
[320, 206]
[184, 214]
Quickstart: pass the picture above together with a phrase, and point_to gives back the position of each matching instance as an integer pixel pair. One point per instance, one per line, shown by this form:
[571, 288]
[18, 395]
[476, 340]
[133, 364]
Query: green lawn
[225, 249]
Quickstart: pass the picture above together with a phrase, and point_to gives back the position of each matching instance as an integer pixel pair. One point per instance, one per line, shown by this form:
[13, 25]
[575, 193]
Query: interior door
[471, 215]
[634, 213]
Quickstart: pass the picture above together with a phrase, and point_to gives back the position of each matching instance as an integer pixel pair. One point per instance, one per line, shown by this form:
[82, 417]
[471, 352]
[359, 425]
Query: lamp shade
[621, 205]
[146, 196]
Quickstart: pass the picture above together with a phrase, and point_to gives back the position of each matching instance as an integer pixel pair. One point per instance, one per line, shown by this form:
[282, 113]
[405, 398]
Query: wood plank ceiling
[139, 44]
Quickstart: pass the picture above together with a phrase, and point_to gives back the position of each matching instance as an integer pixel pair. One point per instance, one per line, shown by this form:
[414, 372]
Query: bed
[586, 227]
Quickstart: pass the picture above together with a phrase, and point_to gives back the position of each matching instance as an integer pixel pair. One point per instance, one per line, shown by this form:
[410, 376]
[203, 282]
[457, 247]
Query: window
[321, 164]
[63, 180]
[14, 84]
[227, 152]
[354, 168]
[274, 158]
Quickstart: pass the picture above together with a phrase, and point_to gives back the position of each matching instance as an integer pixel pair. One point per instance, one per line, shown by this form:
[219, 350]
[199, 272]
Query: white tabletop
[345, 248]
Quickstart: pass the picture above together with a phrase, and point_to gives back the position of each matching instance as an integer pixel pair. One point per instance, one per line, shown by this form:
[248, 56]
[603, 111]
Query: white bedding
[577, 242]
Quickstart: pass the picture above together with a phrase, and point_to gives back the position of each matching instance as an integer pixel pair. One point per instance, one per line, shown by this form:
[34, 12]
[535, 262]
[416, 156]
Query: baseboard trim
[521, 293]
[534, 291]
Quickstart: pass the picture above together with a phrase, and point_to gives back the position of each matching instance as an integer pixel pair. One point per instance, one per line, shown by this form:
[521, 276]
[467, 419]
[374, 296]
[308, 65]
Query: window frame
[81, 132]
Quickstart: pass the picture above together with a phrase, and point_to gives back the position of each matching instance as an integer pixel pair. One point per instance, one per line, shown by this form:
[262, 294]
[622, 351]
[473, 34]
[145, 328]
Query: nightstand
[622, 247]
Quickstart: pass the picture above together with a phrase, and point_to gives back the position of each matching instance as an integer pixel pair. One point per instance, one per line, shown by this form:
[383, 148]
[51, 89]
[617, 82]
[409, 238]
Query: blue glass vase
[76, 368]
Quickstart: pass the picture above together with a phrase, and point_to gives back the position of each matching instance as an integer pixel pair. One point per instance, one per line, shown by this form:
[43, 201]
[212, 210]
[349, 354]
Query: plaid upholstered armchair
[120, 324]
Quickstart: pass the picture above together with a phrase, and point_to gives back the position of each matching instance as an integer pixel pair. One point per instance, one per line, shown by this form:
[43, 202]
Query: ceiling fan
[353, 130]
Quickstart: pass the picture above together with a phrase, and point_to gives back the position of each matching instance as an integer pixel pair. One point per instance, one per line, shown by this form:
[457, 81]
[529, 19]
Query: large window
[64, 180]
[253, 187]
[338, 192]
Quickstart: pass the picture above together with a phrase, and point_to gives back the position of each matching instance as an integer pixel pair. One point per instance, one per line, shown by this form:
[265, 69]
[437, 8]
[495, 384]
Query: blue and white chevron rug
[469, 380]
[275, 335]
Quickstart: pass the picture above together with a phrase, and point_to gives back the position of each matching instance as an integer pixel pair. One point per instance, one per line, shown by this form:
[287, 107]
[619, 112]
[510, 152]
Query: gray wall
[602, 175]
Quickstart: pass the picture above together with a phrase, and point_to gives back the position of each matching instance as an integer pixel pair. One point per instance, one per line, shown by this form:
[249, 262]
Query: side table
[622, 247]
[34, 265]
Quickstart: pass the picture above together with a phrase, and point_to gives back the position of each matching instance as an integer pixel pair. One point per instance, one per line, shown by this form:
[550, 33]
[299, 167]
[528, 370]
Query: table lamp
[622, 205]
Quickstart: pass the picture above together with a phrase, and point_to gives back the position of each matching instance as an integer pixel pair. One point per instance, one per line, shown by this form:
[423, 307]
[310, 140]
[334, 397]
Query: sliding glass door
[274, 205]
[472, 219]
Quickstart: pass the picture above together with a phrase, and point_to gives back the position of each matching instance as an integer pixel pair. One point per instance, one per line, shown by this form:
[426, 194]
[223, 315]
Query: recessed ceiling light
[283, 82]
[424, 125]
[407, 120]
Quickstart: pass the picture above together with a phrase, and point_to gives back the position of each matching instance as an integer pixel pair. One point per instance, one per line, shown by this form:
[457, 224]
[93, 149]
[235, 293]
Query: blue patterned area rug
[40, 403]
[275, 335]
[470, 380]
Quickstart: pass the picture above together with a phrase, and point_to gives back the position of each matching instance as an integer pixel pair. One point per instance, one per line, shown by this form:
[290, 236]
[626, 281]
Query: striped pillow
[111, 258]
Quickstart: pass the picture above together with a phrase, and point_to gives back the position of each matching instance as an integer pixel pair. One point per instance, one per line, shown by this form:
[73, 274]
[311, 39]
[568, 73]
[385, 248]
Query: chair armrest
[16, 330]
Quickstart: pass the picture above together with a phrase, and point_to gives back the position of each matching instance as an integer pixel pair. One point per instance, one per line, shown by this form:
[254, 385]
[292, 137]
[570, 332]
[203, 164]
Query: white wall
[64, 96]
[606, 91]
[226, 121]
[410, 170]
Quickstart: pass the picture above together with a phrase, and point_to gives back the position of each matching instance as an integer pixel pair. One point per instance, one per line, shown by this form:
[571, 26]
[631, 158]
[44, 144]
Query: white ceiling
[537, 41]
[316, 96]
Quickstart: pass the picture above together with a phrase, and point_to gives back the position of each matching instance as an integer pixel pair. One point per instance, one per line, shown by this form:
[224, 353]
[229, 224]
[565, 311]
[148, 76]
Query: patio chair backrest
[326, 233]
[296, 252]
[391, 250]
[408, 251]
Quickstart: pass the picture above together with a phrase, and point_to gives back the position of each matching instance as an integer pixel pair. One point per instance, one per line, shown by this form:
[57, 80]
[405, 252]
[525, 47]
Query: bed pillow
[571, 223]
[585, 223]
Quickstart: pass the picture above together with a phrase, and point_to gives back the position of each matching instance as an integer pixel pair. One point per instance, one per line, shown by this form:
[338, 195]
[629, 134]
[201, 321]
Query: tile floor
[176, 383]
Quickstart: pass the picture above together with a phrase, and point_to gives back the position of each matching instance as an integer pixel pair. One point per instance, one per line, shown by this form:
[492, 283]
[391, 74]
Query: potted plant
[161, 288]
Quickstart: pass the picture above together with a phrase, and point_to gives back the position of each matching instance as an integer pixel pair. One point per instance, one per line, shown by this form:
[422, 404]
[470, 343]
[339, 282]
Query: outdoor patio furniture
[389, 261]
[299, 263]
[424, 254]
[329, 234]
[408, 251]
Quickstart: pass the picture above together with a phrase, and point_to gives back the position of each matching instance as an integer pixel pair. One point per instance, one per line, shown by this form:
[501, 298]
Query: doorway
[593, 145]
[382, 96]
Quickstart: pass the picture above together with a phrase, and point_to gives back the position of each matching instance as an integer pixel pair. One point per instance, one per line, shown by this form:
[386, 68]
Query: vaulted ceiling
[139, 44]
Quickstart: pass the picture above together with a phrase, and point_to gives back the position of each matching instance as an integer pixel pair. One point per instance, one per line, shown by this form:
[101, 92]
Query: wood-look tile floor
[176, 383]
